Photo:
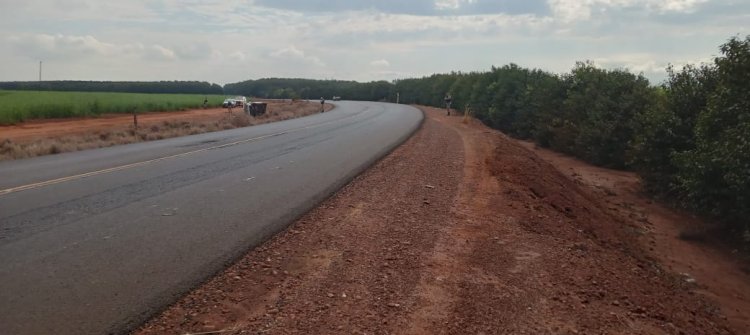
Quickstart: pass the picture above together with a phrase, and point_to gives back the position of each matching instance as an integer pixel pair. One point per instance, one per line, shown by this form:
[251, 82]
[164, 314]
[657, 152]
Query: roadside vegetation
[19, 106]
[688, 138]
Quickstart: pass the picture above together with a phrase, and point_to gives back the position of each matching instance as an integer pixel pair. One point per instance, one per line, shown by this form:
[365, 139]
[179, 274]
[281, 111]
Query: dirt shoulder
[44, 137]
[461, 230]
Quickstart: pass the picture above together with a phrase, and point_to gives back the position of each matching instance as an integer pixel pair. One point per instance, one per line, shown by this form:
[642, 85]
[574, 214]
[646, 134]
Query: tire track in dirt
[454, 246]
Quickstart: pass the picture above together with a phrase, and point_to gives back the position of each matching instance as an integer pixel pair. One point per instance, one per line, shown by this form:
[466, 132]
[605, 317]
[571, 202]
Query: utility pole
[40, 71]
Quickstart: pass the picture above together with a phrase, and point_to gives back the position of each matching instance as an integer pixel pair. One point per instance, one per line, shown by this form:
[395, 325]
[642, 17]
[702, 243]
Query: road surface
[96, 241]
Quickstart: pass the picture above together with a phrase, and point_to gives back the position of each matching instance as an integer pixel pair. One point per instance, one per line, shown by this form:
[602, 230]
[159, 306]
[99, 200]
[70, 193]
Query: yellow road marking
[132, 165]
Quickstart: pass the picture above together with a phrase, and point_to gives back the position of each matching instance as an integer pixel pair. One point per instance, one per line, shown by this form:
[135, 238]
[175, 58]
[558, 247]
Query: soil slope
[459, 231]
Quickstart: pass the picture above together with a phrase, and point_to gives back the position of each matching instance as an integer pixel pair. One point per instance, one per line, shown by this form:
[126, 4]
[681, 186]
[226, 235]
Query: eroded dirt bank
[710, 266]
[459, 231]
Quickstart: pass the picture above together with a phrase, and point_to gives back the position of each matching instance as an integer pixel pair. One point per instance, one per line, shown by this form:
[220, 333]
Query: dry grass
[468, 114]
[150, 132]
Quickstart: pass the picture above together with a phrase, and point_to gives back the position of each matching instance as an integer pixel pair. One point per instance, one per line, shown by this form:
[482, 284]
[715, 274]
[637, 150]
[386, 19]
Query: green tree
[668, 128]
[600, 107]
[714, 177]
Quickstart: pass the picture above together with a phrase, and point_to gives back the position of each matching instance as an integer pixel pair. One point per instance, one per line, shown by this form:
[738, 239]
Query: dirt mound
[596, 275]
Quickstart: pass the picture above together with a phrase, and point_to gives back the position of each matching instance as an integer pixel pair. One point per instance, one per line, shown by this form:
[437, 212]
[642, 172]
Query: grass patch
[19, 106]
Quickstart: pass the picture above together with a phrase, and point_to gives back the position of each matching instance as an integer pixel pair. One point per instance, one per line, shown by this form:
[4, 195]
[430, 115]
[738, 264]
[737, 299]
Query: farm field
[19, 106]
[52, 136]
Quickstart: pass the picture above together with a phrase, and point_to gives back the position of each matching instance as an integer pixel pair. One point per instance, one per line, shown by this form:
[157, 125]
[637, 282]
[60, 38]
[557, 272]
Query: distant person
[322, 104]
[205, 102]
[448, 99]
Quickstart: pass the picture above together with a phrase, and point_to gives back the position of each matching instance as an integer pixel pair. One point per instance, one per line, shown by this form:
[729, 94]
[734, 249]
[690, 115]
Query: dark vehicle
[256, 108]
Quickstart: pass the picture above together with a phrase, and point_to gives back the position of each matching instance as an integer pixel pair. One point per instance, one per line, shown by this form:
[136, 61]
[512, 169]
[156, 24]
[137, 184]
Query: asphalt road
[96, 241]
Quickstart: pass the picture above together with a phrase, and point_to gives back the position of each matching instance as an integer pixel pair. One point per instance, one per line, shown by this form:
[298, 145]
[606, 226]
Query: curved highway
[96, 241]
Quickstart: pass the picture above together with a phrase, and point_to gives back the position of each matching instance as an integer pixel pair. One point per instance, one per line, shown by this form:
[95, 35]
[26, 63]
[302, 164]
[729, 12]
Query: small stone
[330, 295]
[615, 303]
[343, 295]
[688, 279]
[393, 304]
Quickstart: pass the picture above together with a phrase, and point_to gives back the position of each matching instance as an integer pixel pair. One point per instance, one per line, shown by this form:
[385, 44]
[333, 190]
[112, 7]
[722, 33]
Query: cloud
[451, 4]
[43, 46]
[412, 7]
[680, 6]
[79, 10]
[156, 52]
[574, 10]
[646, 63]
[398, 27]
[380, 63]
[193, 51]
[292, 54]
[70, 47]
[238, 56]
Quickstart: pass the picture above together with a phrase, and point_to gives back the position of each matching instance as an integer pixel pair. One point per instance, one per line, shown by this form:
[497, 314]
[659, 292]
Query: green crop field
[18, 106]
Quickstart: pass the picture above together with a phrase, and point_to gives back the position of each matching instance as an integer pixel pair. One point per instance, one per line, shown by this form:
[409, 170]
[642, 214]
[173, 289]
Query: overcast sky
[233, 40]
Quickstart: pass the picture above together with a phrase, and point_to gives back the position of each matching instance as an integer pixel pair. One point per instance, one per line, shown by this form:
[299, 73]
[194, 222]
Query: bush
[714, 176]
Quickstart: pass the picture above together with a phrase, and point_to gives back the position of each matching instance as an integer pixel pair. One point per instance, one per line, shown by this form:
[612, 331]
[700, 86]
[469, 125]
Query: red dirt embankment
[719, 274]
[459, 231]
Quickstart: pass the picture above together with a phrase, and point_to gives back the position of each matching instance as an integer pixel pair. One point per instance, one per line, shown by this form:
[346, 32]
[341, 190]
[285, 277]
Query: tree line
[295, 88]
[174, 87]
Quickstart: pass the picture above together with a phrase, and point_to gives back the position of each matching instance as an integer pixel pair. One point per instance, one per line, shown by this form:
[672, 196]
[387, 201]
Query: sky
[234, 40]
